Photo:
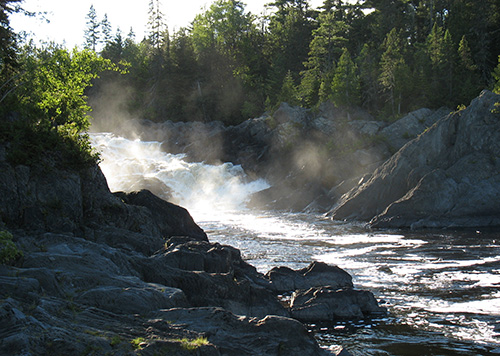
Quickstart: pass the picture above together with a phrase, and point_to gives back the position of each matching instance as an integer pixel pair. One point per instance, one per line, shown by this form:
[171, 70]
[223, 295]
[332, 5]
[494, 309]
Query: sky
[68, 18]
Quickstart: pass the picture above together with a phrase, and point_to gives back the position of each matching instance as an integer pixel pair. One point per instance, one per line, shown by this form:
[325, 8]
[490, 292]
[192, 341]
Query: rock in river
[326, 304]
[317, 274]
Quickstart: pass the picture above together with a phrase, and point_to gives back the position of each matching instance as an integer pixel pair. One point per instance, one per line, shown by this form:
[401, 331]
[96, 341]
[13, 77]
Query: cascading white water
[443, 289]
[131, 165]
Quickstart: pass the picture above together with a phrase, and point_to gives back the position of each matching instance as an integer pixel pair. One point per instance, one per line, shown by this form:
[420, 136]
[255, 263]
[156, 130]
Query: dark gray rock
[317, 274]
[271, 335]
[237, 291]
[329, 304]
[291, 114]
[137, 299]
[171, 219]
[447, 177]
[410, 126]
[368, 128]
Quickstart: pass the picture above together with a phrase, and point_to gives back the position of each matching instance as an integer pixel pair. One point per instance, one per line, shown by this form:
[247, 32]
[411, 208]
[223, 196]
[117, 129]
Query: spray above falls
[131, 165]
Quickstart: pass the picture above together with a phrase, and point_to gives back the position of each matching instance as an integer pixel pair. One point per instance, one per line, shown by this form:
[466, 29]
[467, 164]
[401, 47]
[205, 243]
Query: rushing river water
[442, 288]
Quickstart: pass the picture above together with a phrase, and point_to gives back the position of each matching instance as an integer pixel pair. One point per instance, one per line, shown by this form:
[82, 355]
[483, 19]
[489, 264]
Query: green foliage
[52, 92]
[496, 76]
[345, 83]
[192, 345]
[394, 71]
[51, 102]
[289, 93]
[230, 65]
[136, 343]
[115, 340]
[8, 249]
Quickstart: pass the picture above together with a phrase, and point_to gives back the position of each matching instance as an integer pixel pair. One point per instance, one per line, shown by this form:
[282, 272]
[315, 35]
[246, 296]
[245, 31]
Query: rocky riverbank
[96, 273]
[449, 176]
[429, 169]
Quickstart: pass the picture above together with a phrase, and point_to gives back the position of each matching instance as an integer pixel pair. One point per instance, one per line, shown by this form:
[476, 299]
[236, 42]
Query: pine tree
[92, 32]
[289, 93]
[394, 70]
[106, 30]
[7, 36]
[368, 74]
[345, 83]
[441, 51]
[468, 83]
[156, 24]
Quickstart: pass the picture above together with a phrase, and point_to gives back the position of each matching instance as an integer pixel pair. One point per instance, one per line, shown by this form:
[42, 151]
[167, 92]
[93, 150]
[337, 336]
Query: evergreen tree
[467, 76]
[442, 54]
[309, 87]
[92, 32]
[325, 87]
[156, 25]
[114, 48]
[7, 36]
[394, 70]
[345, 83]
[368, 77]
[289, 93]
[327, 42]
[287, 41]
[106, 30]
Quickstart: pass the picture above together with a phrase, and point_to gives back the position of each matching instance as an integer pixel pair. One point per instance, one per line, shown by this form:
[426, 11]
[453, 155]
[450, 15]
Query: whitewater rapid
[442, 288]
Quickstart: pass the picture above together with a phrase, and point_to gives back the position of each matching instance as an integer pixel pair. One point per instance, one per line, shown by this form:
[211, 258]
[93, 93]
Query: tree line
[386, 56]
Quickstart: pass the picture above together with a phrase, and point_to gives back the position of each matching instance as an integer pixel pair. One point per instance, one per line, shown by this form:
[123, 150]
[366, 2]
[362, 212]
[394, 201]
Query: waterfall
[131, 165]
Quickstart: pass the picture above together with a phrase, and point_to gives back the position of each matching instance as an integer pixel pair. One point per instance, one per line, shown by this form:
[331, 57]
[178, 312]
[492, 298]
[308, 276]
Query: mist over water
[442, 288]
[131, 165]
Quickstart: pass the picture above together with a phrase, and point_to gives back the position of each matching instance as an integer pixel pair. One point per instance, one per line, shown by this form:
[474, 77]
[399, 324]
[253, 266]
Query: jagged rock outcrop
[172, 220]
[449, 176]
[410, 126]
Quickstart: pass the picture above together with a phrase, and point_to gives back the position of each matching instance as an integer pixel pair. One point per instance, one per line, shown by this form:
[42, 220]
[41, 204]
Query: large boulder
[171, 219]
[326, 304]
[209, 280]
[317, 274]
[44, 198]
[449, 176]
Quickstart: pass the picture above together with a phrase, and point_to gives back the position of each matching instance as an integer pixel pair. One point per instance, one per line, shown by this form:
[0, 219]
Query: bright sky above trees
[68, 18]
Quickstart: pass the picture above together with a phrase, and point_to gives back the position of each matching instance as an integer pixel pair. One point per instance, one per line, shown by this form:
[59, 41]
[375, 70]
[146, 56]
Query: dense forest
[385, 56]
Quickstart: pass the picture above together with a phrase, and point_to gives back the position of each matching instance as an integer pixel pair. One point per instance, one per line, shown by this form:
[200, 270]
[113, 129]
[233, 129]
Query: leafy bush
[51, 105]
[8, 250]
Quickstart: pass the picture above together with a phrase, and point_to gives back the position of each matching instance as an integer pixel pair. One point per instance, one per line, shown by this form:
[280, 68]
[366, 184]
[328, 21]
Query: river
[442, 288]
